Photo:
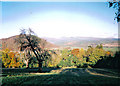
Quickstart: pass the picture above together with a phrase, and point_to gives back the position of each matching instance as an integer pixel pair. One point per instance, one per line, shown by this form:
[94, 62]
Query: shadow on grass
[63, 76]
[16, 71]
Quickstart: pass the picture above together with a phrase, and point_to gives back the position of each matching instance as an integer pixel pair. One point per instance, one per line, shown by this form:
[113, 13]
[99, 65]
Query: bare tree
[27, 39]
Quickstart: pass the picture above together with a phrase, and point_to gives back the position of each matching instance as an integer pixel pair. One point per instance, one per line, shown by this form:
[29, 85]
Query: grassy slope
[66, 76]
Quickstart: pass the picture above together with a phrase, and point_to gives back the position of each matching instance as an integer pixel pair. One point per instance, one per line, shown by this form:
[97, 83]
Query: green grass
[113, 49]
[63, 76]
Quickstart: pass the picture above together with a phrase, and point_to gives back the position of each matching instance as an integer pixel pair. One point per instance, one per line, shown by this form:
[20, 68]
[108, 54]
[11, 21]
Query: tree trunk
[27, 64]
[40, 67]
[31, 65]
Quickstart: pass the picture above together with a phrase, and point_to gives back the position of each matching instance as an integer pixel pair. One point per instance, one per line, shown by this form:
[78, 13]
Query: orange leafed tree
[11, 59]
[75, 52]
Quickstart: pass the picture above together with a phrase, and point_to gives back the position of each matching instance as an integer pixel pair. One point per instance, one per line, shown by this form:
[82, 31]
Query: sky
[59, 19]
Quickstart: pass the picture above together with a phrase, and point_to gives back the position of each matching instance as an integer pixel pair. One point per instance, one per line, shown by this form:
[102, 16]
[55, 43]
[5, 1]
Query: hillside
[10, 43]
[73, 42]
[83, 42]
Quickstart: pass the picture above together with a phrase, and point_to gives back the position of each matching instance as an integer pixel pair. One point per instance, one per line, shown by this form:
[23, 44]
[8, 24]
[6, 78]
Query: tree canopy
[28, 40]
[116, 5]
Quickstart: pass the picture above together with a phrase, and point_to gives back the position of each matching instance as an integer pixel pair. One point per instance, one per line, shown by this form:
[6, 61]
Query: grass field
[62, 76]
[113, 49]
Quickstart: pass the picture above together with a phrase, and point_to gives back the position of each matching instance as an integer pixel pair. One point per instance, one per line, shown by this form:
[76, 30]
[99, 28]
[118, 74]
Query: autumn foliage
[75, 52]
[91, 57]
[11, 59]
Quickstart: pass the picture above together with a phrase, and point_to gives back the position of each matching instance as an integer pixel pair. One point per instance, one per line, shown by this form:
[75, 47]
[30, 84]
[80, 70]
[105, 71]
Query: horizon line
[66, 37]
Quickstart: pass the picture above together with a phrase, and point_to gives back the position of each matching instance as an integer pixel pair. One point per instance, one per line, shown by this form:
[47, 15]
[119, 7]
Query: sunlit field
[62, 76]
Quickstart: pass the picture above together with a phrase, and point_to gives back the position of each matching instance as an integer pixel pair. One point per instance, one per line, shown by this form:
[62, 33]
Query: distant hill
[83, 42]
[69, 42]
[10, 43]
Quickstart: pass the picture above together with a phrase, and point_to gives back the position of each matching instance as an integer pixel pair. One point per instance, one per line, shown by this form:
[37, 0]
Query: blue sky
[59, 19]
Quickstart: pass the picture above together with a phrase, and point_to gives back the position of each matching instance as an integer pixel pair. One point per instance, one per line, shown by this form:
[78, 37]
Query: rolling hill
[10, 43]
[84, 42]
[71, 42]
